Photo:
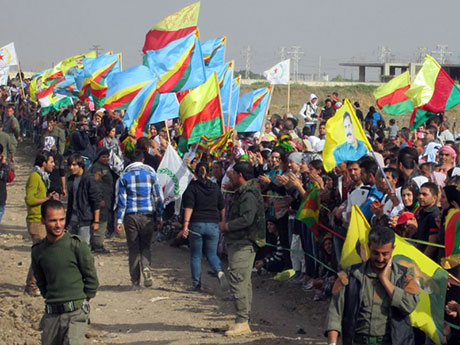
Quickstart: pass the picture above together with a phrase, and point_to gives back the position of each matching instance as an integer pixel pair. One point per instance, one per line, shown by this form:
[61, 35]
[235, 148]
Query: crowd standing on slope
[250, 195]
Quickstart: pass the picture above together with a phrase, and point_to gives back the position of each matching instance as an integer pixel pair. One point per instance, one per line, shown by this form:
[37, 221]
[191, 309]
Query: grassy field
[361, 93]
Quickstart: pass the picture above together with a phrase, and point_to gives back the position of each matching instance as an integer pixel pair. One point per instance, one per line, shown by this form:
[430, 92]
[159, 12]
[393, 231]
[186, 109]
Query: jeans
[312, 128]
[83, 231]
[2, 211]
[207, 235]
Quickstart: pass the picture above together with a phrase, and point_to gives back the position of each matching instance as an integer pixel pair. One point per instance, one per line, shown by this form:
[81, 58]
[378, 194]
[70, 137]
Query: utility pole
[421, 53]
[282, 53]
[97, 48]
[384, 54]
[295, 53]
[442, 51]
[247, 56]
[319, 68]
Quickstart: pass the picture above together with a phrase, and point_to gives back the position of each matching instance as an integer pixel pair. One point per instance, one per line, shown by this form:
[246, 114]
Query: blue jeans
[207, 235]
[312, 128]
[2, 211]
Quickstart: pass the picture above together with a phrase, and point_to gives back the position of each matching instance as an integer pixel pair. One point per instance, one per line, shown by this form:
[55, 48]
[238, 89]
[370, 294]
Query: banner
[8, 56]
[279, 74]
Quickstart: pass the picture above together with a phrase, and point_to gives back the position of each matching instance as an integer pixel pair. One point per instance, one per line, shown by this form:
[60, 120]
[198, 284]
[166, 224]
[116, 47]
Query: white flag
[4, 73]
[173, 175]
[8, 55]
[279, 74]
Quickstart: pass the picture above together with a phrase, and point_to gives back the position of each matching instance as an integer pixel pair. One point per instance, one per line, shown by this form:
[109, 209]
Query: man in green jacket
[244, 232]
[67, 279]
[36, 194]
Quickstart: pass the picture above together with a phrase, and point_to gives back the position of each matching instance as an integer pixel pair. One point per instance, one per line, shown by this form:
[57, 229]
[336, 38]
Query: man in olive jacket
[244, 232]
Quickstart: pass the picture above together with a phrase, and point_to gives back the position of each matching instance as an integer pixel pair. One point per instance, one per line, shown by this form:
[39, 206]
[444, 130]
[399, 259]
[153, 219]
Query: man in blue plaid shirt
[139, 204]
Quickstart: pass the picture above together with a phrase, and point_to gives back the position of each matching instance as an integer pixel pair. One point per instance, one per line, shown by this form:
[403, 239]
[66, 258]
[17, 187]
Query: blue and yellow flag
[345, 138]
[432, 278]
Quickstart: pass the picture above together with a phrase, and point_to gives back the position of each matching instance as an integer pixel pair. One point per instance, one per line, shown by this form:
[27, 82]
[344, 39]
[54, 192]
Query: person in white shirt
[309, 112]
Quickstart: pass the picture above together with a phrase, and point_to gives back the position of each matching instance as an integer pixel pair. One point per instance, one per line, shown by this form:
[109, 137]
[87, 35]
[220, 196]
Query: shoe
[223, 282]
[135, 285]
[194, 289]
[100, 250]
[239, 328]
[308, 286]
[148, 281]
[32, 291]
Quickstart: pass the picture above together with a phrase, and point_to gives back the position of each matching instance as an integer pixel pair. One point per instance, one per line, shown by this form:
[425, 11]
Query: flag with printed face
[279, 74]
[345, 138]
[173, 175]
[8, 55]
[432, 279]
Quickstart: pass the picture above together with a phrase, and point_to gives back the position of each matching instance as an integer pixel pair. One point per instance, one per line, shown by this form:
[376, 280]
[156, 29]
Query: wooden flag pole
[288, 95]
[262, 130]
[167, 131]
[20, 79]
[220, 103]
[230, 98]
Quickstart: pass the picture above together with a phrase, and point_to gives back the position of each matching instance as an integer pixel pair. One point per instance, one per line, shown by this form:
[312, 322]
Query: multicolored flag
[225, 77]
[308, 212]
[201, 111]
[149, 106]
[68, 65]
[173, 176]
[173, 27]
[345, 138]
[216, 146]
[98, 93]
[433, 88]
[179, 66]
[66, 86]
[236, 85]
[8, 55]
[280, 73]
[419, 117]
[452, 240]
[252, 108]
[391, 96]
[432, 278]
[122, 87]
[214, 51]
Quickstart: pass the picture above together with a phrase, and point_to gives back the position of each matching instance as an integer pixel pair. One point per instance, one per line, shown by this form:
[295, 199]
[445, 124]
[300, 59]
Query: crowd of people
[239, 201]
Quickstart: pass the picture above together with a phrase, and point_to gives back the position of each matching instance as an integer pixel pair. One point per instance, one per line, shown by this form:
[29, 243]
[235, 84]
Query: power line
[295, 53]
[384, 54]
[442, 51]
[97, 48]
[282, 53]
[247, 56]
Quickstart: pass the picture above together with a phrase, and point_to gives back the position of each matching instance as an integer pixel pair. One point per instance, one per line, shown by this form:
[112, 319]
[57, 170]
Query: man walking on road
[139, 201]
[67, 279]
[244, 232]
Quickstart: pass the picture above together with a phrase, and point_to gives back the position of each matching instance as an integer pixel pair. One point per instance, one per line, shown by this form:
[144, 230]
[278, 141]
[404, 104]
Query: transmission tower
[442, 52]
[247, 57]
[420, 54]
[282, 53]
[97, 48]
[384, 54]
[295, 53]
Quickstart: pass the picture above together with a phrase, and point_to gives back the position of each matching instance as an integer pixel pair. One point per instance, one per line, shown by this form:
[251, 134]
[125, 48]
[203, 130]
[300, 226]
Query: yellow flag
[432, 278]
[73, 61]
[345, 138]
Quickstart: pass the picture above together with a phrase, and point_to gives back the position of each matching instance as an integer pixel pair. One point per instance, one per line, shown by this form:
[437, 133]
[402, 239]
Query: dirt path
[164, 314]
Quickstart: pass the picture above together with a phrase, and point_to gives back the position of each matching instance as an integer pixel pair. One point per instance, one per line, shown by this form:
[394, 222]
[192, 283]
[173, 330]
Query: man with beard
[371, 301]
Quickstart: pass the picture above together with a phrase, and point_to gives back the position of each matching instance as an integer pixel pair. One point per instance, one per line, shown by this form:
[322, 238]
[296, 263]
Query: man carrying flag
[372, 300]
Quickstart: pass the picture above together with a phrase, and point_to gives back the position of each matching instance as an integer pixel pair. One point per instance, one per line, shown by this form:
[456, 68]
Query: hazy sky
[47, 31]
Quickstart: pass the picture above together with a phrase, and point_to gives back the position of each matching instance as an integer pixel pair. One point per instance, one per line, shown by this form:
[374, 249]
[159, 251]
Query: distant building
[389, 70]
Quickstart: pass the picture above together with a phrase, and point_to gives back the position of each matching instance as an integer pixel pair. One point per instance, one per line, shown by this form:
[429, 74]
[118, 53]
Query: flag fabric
[173, 175]
[391, 96]
[149, 106]
[308, 212]
[122, 87]
[96, 70]
[214, 51]
[68, 65]
[179, 66]
[452, 239]
[66, 86]
[98, 93]
[432, 278]
[172, 28]
[419, 117]
[345, 138]
[433, 88]
[201, 111]
[236, 85]
[280, 73]
[225, 77]
[4, 74]
[8, 55]
[216, 146]
[252, 108]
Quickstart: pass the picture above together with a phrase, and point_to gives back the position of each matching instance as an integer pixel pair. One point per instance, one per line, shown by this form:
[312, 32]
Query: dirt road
[164, 314]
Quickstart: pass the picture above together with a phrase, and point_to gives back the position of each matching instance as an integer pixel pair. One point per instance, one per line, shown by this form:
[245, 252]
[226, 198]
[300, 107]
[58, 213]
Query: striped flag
[214, 51]
[391, 96]
[252, 108]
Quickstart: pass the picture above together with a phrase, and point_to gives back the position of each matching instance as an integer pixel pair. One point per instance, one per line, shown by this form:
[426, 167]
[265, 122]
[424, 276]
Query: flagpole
[220, 105]
[262, 130]
[230, 99]
[288, 95]
[167, 131]
[383, 173]
[120, 56]
[20, 79]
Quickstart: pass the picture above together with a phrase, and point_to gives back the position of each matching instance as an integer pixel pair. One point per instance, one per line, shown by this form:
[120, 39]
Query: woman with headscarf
[204, 208]
[116, 162]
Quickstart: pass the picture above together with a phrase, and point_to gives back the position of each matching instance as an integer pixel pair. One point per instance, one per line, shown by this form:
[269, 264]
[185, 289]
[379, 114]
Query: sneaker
[148, 281]
[240, 328]
[32, 291]
[308, 286]
[223, 282]
[135, 285]
[194, 289]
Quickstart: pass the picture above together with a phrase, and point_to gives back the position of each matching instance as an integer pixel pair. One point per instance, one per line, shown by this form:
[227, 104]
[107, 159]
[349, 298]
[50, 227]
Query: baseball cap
[404, 217]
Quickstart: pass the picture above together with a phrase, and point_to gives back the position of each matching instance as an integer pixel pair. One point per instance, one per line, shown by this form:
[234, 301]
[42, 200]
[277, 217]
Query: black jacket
[206, 201]
[89, 196]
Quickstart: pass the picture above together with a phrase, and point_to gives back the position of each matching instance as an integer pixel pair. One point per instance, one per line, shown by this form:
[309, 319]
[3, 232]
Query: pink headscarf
[449, 150]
